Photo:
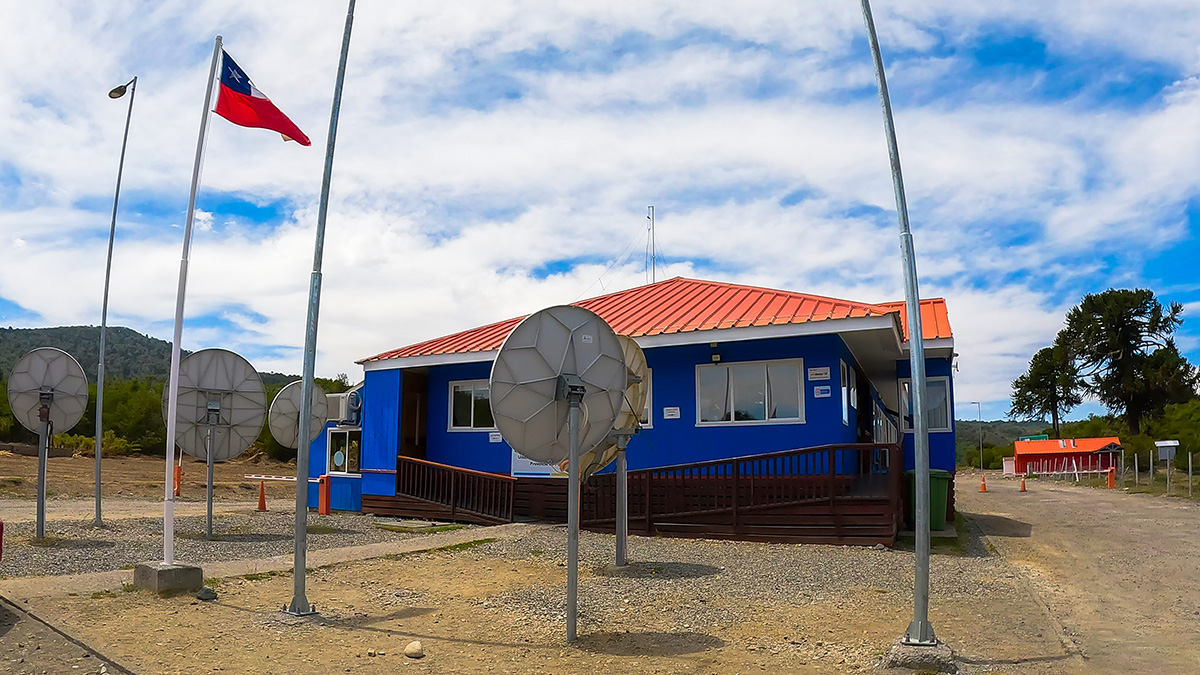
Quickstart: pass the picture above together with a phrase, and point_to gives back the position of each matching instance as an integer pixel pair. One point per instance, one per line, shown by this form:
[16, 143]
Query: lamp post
[979, 423]
[115, 93]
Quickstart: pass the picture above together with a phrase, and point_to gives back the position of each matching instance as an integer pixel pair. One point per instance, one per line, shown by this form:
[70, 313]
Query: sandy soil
[1116, 570]
[459, 605]
[138, 477]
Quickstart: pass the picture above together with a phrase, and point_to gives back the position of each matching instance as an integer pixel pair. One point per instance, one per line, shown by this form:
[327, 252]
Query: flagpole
[173, 382]
[300, 605]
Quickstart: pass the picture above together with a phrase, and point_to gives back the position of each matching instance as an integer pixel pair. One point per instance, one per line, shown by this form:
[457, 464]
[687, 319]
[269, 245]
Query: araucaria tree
[1120, 341]
[1050, 388]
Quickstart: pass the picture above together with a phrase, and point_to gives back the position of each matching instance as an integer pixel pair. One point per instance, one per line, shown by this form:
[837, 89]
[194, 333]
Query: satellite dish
[629, 419]
[47, 391]
[225, 383]
[529, 412]
[47, 370]
[284, 417]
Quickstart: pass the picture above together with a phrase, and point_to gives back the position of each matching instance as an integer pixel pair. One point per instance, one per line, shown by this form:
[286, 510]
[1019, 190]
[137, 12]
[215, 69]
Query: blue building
[734, 371]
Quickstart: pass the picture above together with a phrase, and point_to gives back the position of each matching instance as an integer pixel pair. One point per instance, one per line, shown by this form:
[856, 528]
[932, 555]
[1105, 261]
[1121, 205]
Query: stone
[160, 578]
[937, 658]
[880, 547]
[414, 650]
[206, 594]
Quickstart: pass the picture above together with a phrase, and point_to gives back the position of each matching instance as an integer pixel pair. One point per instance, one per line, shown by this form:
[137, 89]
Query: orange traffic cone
[262, 496]
[1112, 478]
[1023, 484]
[983, 483]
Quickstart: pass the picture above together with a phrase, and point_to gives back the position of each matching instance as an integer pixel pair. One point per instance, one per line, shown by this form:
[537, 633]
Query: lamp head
[117, 91]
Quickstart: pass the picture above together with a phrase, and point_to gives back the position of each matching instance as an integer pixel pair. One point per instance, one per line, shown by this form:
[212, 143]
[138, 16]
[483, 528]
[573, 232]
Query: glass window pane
[853, 389]
[460, 412]
[783, 381]
[714, 394]
[644, 420]
[938, 405]
[337, 451]
[353, 451]
[483, 408]
[845, 395]
[905, 405]
[749, 392]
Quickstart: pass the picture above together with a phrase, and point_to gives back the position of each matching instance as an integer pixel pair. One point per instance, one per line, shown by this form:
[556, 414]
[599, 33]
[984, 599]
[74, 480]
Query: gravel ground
[77, 547]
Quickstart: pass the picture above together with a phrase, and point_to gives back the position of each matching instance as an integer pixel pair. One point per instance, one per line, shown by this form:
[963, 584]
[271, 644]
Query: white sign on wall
[671, 413]
[818, 373]
[823, 391]
[495, 437]
[523, 467]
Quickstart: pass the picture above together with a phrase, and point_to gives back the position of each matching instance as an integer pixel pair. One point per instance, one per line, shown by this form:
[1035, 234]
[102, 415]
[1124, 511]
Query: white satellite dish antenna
[552, 367]
[220, 409]
[629, 418]
[628, 423]
[284, 416]
[47, 391]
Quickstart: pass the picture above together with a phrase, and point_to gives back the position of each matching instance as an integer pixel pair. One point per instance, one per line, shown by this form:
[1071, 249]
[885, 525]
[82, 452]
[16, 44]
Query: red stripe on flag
[248, 111]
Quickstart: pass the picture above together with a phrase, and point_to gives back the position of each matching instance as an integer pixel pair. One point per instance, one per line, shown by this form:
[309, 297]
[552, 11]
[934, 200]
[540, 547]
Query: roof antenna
[653, 249]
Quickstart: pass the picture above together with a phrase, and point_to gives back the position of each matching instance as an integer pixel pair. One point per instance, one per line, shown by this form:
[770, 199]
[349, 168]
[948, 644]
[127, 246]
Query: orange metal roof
[682, 305]
[1054, 446]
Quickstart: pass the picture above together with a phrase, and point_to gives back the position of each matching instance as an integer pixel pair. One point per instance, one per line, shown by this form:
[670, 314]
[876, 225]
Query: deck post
[649, 522]
[737, 475]
[453, 501]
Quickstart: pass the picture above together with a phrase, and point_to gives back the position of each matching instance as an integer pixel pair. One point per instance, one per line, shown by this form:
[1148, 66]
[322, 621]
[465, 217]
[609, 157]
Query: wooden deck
[838, 494]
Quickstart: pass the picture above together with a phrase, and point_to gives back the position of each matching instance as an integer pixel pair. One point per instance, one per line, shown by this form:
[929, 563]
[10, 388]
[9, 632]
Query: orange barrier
[1023, 484]
[323, 495]
[178, 478]
[1112, 478]
[983, 483]
[262, 496]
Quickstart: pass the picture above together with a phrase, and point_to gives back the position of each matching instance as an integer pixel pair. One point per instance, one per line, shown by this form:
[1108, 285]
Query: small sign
[495, 437]
[823, 391]
[585, 338]
[818, 374]
[671, 413]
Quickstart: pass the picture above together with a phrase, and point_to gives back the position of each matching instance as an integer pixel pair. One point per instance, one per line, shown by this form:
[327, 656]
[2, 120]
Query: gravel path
[76, 547]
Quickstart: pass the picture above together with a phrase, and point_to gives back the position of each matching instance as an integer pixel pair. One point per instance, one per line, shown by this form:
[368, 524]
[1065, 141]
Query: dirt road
[1116, 570]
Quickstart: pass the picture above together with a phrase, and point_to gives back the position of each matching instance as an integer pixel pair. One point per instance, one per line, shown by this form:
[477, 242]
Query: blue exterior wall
[674, 441]
[345, 492]
[941, 444]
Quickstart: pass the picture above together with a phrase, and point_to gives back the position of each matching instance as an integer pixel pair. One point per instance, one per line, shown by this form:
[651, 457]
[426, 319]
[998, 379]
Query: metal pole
[173, 382]
[1189, 474]
[979, 422]
[622, 503]
[43, 450]
[112, 234]
[1136, 479]
[300, 605]
[573, 521]
[920, 630]
[212, 432]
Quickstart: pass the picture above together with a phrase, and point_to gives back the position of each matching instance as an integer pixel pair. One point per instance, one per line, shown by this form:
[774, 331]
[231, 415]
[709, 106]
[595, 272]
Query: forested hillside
[129, 354]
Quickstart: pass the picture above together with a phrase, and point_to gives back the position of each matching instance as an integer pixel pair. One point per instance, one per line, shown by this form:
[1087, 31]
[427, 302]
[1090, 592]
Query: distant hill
[128, 354]
[996, 434]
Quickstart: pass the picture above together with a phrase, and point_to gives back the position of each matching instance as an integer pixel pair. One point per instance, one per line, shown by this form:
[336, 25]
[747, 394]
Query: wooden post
[737, 472]
[649, 521]
[453, 501]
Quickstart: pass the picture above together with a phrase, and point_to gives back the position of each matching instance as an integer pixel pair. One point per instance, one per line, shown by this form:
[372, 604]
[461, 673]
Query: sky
[497, 157]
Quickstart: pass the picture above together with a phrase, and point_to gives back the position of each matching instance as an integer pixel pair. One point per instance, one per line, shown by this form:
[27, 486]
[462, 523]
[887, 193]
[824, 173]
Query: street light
[115, 93]
[979, 423]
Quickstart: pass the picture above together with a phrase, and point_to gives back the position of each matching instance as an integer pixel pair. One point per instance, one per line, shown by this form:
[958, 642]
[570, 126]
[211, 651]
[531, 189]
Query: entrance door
[415, 412]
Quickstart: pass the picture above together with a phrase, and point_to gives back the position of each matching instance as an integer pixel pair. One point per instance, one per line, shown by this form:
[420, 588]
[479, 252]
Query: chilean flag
[240, 102]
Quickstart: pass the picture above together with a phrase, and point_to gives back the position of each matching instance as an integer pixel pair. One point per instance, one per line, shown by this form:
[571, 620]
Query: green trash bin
[939, 487]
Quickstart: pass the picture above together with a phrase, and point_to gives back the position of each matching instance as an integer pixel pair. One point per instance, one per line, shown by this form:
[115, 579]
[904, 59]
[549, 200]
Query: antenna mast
[653, 247]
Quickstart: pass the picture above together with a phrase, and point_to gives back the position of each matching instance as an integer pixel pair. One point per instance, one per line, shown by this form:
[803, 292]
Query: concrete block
[938, 658]
[160, 578]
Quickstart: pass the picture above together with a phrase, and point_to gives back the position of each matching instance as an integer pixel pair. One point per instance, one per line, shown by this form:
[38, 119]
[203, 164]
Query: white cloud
[443, 207]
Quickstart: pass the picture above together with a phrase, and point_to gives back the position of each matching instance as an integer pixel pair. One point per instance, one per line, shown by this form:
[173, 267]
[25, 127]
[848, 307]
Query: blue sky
[497, 157]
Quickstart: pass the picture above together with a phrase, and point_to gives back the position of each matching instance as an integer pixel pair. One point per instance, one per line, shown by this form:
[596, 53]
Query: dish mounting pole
[572, 389]
[46, 398]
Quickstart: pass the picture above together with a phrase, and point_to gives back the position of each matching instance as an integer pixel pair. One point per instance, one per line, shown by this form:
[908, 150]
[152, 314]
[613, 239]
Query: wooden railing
[727, 491]
[486, 495]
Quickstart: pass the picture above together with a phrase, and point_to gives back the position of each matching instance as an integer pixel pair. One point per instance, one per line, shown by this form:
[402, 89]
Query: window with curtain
[937, 404]
[750, 392]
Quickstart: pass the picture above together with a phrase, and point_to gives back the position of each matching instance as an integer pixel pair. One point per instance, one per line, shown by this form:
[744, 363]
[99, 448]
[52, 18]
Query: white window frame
[845, 394]
[649, 409]
[767, 422]
[450, 406]
[329, 451]
[906, 428]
